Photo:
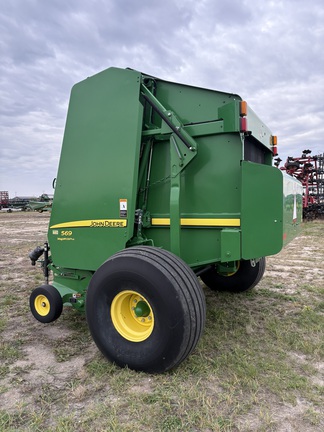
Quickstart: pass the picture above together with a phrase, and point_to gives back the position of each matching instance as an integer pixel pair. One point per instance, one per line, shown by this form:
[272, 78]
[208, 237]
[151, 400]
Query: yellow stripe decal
[93, 223]
[122, 223]
[198, 222]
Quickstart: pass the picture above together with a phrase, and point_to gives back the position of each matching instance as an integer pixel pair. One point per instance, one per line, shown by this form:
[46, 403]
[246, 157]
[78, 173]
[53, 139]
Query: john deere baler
[158, 184]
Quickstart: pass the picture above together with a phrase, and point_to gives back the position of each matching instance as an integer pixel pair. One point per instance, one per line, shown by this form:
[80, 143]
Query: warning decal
[123, 208]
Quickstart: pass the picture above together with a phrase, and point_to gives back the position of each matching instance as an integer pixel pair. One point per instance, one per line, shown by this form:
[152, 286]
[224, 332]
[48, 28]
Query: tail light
[274, 144]
[243, 124]
[243, 118]
[243, 109]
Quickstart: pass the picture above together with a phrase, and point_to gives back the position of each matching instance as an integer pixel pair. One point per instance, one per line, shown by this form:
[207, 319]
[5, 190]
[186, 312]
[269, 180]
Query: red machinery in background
[4, 199]
[309, 170]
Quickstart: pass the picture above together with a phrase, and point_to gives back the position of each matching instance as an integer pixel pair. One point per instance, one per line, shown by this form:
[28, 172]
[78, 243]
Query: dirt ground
[44, 373]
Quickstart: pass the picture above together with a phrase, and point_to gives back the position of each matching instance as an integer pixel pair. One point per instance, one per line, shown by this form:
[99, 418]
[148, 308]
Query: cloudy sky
[269, 52]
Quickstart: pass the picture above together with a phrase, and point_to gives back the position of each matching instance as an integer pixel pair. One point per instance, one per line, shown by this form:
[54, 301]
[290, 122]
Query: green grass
[260, 357]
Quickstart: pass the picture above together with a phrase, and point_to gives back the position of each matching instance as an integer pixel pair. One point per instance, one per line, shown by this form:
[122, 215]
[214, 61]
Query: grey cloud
[268, 52]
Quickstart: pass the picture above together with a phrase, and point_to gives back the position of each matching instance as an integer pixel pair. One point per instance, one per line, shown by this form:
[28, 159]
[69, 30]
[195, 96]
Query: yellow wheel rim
[42, 305]
[132, 316]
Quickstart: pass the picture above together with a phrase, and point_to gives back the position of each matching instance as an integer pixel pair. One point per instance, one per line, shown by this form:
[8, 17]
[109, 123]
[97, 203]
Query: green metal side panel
[230, 245]
[262, 210]
[210, 188]
[194, 104]
[211, 184]
[98, 168]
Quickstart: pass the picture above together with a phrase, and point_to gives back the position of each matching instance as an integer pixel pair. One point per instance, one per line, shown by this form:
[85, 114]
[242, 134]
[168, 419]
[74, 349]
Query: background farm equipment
[43, 203]
[13, 204]
[4, 199]
[22, 203]
[309, 170]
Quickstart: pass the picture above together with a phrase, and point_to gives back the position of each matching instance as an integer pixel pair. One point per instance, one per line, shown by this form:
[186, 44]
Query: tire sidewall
[160, 349]
[245, 278]
[55, 301]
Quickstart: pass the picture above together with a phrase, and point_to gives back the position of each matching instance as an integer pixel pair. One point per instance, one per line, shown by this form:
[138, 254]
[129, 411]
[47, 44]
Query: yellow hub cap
[42, 305]
[132, 316]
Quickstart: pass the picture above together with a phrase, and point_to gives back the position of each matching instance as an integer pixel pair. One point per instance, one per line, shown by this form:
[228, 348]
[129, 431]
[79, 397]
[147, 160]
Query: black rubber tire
[53, 304]
[245, 278]
[174, 294]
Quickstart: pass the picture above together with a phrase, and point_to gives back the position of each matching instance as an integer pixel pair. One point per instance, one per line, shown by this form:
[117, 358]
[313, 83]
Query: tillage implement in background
[309, 170]
[179, 184]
